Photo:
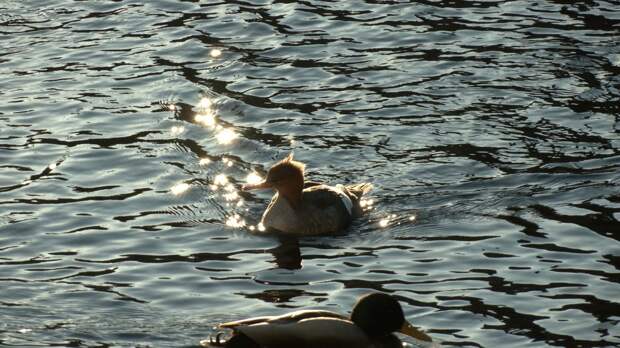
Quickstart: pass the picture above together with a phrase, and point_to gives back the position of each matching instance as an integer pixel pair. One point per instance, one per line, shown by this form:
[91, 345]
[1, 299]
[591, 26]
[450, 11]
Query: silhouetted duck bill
[414, 332]
[258, 186]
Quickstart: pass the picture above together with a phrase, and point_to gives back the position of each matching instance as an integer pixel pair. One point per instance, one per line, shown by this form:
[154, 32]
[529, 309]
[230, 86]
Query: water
[490, 130]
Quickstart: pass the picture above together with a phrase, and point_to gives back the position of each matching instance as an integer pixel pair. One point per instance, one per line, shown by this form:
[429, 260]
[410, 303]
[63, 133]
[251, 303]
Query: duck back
[309, 333]
[323, 210]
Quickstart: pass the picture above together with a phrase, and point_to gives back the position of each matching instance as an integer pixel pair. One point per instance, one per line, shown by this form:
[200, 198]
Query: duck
[373, 320]
[300, 208]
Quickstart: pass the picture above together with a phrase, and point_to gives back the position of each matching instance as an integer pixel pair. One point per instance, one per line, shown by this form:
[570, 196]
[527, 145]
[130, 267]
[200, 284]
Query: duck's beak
[414, 332]
[260, 185]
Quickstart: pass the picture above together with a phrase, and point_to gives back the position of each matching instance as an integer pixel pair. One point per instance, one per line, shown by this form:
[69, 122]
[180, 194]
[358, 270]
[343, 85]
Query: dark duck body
[373, 320]
[307, 208]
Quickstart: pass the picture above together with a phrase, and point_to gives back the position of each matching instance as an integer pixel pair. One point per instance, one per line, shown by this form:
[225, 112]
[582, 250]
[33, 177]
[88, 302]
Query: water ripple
[489, 129]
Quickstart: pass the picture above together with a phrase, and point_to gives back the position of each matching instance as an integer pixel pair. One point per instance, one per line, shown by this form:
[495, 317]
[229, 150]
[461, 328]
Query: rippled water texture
[490, 130]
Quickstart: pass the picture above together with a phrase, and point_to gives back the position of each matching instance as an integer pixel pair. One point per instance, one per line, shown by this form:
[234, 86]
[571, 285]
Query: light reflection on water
[235, 221]
[226, 136]
[204, 105]
[253, 178]
[215, 53]
[208, 120]
[220, 180]
[177, 130]
[179, 188]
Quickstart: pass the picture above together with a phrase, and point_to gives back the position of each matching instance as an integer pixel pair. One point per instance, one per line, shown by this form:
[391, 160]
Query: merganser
[309, 208]
[374, 318]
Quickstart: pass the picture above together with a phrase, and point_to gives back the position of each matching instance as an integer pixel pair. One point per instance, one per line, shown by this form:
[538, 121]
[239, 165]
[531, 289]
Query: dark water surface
[490, 129]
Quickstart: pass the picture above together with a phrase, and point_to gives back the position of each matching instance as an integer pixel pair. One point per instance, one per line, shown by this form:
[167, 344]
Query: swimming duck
[374, 318]
[307, 208]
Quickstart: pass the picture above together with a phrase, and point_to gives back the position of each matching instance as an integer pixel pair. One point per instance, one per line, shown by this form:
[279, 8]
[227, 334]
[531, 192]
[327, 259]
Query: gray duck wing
[283, 319]
[324, 210]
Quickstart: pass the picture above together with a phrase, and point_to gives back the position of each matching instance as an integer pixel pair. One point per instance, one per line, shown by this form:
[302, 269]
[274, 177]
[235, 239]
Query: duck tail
[356, 191]
[238, 339]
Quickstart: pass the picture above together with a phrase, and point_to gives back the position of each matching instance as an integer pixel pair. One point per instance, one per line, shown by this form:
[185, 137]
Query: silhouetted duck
[374, 318]
[309, 208]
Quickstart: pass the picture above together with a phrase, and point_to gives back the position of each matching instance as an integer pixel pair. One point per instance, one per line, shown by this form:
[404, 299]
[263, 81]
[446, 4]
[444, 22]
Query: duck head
[380, 314]
[287, 177]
